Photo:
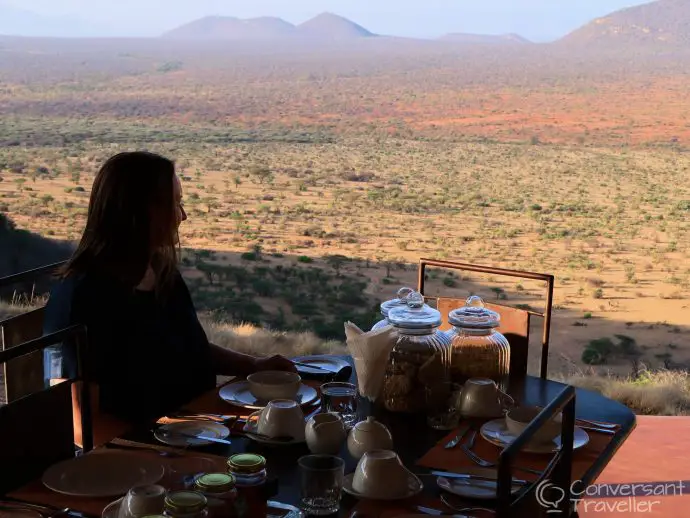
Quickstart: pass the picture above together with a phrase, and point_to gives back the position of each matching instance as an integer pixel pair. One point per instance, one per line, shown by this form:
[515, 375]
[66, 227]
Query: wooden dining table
[414, 441]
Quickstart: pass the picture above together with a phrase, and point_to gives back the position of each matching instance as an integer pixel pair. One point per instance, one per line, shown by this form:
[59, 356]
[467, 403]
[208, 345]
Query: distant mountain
[500, 39]
[325, 26]
[664, 23]
[230, 28]
[332, 26]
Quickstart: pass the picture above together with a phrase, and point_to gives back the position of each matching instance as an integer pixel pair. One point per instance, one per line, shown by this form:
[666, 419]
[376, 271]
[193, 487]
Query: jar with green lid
[249, 471]
[186, 504]
[219, 489]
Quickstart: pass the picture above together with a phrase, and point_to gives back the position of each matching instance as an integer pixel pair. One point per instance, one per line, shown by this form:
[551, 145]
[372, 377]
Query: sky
[539, 20]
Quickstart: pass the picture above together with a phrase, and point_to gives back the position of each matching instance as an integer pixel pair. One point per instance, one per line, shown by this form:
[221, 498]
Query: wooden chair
[515, 322]
[25, 375]
[37, 430]
[550, 494]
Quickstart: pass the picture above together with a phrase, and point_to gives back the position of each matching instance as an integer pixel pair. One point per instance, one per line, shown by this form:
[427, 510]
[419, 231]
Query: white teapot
[325, 434]
[368, 435]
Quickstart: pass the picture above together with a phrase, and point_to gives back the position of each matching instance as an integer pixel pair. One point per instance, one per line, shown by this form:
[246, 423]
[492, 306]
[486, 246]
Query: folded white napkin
[370, 352]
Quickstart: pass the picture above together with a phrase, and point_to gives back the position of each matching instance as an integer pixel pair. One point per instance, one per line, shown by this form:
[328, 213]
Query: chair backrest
[24, 375]
[553, 487]
[515, 322]
[37, 430]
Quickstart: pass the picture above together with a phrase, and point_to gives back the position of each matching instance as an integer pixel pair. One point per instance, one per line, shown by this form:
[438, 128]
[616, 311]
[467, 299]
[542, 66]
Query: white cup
[381, 474]
[143, 501]
[481, 397]
[281, 418]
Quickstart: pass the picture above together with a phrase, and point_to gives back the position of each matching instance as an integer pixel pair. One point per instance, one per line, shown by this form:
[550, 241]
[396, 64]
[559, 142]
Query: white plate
[497, 433]
[251, 427]
[112, 510]
[20, 513]
[105, 474]
[238, 394]
[414, 487]
[207, 428]
[473, 488]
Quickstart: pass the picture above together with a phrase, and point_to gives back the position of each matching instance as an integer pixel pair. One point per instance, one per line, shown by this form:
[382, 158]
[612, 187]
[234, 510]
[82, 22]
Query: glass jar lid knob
[474, 315]
[403, 293]
[415, 299]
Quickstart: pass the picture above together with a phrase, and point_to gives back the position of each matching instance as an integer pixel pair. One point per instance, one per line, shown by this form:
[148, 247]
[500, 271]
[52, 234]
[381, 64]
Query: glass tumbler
[442, 400]
[321, 483]
[341, 399]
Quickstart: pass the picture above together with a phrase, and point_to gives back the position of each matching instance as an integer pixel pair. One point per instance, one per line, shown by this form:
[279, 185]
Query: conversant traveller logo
[631, 498]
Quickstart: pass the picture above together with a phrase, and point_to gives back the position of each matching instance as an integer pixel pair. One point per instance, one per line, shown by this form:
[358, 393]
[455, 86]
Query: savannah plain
[316, 179]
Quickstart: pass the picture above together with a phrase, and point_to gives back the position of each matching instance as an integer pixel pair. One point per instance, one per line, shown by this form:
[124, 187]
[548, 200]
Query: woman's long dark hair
[131, 222]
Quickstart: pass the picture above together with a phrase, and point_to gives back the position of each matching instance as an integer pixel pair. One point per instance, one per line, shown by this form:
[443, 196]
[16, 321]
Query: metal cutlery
[486, 464]
[455, 440]
[170, 433]
[446, 501]
[597, 429]
[469, 476]
[596, 424]
[313, 366]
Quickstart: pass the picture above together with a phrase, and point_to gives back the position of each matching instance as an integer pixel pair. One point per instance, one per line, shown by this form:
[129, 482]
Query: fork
[457, 509]
[485, 463]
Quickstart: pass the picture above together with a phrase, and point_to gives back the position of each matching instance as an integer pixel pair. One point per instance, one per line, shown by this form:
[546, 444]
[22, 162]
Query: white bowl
[518, 419]
[270, 385]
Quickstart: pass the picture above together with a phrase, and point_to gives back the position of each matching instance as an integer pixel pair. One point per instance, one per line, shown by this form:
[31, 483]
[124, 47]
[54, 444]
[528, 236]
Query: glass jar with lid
[420, 356]
[249, 471]
[478, 350]
[186, 504]
[219, 489]
[390, 304]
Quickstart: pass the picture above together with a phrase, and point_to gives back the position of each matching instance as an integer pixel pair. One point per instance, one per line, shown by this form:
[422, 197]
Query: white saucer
[497, 433]
[238, 394]
[251, 428]
[207, 428]
[473, 488]
[103, 474]
[414, 487]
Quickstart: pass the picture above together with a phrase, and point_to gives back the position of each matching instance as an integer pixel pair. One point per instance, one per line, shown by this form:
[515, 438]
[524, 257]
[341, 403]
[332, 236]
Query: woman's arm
[227, 362]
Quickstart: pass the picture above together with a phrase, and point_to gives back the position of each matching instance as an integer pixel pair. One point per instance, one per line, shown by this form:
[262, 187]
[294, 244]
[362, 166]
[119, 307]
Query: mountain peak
[660, 23]
[333, 26]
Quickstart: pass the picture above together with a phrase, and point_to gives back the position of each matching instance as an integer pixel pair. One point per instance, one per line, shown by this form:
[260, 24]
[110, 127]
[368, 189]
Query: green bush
[304, 259]
[597, 352]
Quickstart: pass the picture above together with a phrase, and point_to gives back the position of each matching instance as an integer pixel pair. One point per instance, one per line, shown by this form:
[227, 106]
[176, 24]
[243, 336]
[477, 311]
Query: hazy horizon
[538, 20]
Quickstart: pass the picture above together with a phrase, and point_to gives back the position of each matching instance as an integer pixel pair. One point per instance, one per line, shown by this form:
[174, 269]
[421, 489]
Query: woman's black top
[147, 352]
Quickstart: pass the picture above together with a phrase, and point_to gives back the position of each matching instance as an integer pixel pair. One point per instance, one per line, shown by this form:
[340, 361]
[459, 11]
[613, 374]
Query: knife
[455, 440]
[192, 436]
[436, 512]
[468, 476]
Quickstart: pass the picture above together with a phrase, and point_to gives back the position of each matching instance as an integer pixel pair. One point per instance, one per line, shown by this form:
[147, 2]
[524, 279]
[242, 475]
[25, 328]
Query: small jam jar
[219, 489]
[186, 504]
[249, 471]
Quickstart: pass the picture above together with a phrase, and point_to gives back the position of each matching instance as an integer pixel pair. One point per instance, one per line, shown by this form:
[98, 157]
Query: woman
[148, 353]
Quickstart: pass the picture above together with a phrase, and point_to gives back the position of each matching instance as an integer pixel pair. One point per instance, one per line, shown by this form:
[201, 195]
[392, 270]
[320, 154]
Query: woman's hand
[275, 363]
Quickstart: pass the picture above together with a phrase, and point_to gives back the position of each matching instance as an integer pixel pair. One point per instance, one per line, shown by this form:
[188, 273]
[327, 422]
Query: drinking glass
[322, 483]
[341, 399]
[442, 405]
[180, 472]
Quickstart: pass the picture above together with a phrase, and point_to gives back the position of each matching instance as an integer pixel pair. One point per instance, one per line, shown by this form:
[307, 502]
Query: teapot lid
[474, 315]
[398, 301]
[415, 314]
[370, 425]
